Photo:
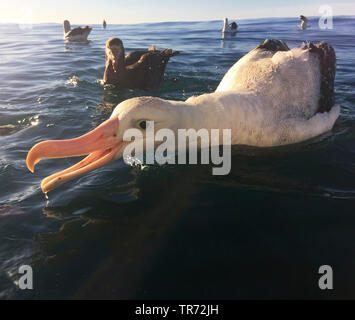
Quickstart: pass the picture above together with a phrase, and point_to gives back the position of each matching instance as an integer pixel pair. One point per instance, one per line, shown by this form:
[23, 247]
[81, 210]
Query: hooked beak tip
[30, 164]
[31, 159]
[100, 144]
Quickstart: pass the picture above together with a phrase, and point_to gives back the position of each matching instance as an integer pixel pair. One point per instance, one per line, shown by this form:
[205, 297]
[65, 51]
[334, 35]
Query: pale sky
[135, 11]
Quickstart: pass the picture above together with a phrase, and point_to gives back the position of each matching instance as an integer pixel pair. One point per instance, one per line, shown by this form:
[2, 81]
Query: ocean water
[172, 231]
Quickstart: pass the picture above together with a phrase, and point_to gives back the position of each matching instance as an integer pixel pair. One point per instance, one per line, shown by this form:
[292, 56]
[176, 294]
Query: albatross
[229, 27]
[76, 34]
[272, 96]
[304, 22]
[142, 69]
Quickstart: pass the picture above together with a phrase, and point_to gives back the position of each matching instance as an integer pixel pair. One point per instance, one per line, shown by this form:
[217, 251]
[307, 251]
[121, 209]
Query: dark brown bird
[137, 70]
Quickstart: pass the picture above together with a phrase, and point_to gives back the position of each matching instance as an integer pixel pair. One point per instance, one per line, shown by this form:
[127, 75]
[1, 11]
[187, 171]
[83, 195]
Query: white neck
[243, 113]
[66, 26]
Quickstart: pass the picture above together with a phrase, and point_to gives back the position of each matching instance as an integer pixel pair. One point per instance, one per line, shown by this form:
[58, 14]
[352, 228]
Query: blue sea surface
[173, 231]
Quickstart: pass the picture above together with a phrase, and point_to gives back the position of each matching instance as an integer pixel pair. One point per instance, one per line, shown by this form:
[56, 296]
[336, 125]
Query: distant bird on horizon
[142, 69]
[104, 24]
[304, 23]
[229, 28]
[76, 34]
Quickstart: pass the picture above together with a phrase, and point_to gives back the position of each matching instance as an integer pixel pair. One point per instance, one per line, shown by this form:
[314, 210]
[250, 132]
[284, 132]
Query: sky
[136, 11]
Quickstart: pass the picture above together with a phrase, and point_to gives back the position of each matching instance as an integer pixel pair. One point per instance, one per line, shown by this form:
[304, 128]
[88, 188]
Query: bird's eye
[143, 124]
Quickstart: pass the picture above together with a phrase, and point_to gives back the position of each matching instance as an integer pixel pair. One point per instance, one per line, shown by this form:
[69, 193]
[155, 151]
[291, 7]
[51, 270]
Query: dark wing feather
[273, 45]
[134, 57]
[327, 64]
[152, 65]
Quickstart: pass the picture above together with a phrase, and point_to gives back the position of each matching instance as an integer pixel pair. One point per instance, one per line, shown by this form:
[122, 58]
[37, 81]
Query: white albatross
[76, 34]
[272, 96]
[229, 27]
[304, 23]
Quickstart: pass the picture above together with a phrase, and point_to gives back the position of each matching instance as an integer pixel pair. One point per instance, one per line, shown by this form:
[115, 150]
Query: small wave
[9, 129]
[339, 194]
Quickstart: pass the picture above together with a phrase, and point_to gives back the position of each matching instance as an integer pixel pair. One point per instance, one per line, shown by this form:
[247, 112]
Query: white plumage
[76, 34]
[266, 99]
[304, 23]
[229, 27]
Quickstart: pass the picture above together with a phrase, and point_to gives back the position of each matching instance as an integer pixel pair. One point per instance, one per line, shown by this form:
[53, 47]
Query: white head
[164, 113]
[66, 26]
[105, 143]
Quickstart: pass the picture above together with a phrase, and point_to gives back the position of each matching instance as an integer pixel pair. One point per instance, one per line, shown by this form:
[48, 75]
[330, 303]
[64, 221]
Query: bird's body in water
[229, 27]
[142, 69]
[304, 23]
[76, 34]
[272, 96]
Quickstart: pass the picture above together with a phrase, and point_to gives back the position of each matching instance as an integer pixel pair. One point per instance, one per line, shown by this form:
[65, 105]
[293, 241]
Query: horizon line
[175, 21]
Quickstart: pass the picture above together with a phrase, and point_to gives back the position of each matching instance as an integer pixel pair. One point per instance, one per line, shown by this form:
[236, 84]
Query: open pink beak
[101, 145]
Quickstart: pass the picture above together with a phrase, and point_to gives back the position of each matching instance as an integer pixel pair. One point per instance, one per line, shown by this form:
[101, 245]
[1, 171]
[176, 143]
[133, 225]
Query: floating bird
[76, 34]
[229, 28]
[104, 24]
[137, 70]
[304, 22]
[272, 96]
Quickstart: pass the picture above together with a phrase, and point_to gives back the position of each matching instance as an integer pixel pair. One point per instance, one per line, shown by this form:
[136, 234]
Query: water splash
[74, 80]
